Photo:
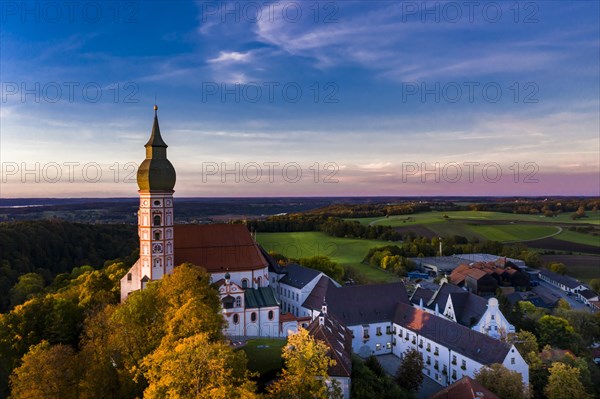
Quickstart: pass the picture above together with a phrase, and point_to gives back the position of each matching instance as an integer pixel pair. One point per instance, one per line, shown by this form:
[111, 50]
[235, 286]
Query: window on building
[453, 359]
[512, 360]
[253, 316]
[258, 281]
[437, 351]
[366, 332]
[245, 283]
[453, 374]
[129, 277]
[428, 347]
[378, 333]
[157, 202]
[297, 298]
[436, 365]
[378, 347]
[388, 330]
[270, 315]
[236, 319]
[463, 365]
[388, 345]
[238, 301]
[157, 235]
[157, 220]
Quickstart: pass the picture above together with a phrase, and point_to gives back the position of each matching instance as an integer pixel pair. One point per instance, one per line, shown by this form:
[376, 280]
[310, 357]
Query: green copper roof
[260, 298]
[156, 173]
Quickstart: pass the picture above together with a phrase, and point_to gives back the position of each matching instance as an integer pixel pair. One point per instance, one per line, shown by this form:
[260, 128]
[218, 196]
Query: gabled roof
[339, 340]
[217, 247]
[588, 294]
[262, 297]
[360, 304]
[468, 307]
[465, 388]
[273, 265]
[298, 276]
[564, 280]
[317, 295]
[440, 297]
[470, 343]
[421, 293]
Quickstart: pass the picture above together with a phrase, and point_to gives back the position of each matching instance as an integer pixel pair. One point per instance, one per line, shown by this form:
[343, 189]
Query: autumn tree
[305, 373]
[195, 367]
[49, 372]
[564, 383]
[558, 268]
[505, 383]
[410, 372]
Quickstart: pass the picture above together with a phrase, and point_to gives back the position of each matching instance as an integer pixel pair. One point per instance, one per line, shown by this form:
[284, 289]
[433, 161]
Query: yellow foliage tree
[564, 383]
[195, 367]
[48, 372]
[305, 374]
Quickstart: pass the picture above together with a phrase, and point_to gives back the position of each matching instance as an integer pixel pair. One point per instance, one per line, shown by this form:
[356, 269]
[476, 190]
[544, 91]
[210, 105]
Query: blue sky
[389, 90]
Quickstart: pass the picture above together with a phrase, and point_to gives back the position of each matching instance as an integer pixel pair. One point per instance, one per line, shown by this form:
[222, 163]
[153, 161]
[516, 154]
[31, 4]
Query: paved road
[557, 292]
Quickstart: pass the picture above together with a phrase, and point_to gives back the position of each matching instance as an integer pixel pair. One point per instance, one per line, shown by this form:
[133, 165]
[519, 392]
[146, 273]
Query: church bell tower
[156, 180]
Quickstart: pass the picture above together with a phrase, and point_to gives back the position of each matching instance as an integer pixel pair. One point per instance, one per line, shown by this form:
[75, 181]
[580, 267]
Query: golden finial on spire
[155, 107]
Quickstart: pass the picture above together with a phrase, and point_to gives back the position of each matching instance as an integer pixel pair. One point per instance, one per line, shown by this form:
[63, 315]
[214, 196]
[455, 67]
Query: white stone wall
[251, 277]
[131, 281]
[375, 344]
[514, 361]
[344, 384]
[454, 363]
[262, 326]
[493, 322]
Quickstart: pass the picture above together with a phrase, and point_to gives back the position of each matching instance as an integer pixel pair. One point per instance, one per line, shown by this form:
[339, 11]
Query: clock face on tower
[157, 248]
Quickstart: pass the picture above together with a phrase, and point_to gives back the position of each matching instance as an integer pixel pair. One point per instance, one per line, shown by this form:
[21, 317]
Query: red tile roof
[465, 388]
[339, 340]
[217, 247]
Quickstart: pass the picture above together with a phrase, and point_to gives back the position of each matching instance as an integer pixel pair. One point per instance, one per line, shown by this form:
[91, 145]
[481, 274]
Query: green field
[345, 251]
[264, 355]
[513, 232]
[436, 217]
[579, 238]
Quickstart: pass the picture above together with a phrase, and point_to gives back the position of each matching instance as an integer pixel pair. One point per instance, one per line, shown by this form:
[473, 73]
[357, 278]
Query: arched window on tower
[157, 235]
[157, 220]
[258, 282]
[245, 283]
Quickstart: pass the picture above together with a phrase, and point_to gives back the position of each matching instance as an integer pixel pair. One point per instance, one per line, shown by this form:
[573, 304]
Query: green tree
[46, 372]
[595, 284]
[525, 342]
[325, 265]
[368, 383]
[29, 284]
[505, 383]
[410, 372]
[563, 383]
[555, 331]
[305, 373]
